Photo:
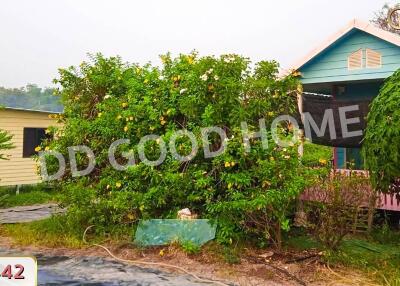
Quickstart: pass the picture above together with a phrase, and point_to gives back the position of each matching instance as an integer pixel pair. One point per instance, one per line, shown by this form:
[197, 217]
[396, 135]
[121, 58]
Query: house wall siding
[18, 170]
[341, 157]
[331, 65]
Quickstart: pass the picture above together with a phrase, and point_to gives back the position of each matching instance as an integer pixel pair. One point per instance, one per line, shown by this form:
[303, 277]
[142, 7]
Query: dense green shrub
[381, 146]
[243, 192]
[316, 155]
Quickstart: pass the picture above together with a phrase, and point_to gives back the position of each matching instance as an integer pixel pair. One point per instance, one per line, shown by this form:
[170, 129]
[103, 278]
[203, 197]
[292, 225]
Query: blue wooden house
[352, 64]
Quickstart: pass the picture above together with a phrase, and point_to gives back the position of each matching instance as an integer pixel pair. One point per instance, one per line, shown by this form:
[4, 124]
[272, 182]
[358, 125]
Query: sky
[40, 36]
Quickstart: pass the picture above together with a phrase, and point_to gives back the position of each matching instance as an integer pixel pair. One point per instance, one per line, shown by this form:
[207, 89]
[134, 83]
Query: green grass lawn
[48, 232]
[381, 261]
[29, 195]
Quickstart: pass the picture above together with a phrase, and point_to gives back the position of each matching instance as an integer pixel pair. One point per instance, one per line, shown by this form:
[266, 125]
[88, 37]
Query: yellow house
[28, 129]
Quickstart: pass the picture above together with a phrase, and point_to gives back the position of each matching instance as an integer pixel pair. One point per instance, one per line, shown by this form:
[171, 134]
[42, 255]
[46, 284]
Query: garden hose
[139, 262]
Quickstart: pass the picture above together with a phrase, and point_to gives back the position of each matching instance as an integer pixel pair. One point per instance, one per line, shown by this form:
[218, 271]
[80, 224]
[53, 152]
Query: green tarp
[164, 231]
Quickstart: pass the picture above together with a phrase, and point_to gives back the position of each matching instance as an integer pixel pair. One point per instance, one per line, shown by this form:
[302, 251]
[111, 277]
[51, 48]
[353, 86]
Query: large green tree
[243, 192]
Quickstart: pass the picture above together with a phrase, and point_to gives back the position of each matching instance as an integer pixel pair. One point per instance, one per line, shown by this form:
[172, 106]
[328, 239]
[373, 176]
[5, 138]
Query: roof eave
[32, 110]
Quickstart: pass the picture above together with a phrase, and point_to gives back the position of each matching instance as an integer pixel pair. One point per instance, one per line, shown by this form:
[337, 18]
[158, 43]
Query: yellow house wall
[18, 170]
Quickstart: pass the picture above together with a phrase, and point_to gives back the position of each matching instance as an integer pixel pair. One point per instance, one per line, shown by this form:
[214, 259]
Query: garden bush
[244, 193]
[334, 215]
[315, 155]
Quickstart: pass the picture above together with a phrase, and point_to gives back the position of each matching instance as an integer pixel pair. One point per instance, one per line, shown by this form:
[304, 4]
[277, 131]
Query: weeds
[231, 255]
[379, 261]
[385, 235]
[189, 247]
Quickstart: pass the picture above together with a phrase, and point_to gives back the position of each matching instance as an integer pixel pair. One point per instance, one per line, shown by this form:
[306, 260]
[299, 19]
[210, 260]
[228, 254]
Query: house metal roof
[31, 103]
[32, 110]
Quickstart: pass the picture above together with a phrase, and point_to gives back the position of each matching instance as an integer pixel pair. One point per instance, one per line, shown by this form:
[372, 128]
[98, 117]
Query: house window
[355, 60]
[373, 59]
[33, 137]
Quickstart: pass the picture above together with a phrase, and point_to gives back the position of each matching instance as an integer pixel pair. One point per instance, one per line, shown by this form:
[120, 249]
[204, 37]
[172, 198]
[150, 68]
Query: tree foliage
[381, 147]
[30, 97]
[381, 19]
[29, 89]
[242, 192]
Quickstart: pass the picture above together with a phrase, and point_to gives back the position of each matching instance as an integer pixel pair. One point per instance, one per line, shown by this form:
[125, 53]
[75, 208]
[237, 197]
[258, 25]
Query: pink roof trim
[358, 24]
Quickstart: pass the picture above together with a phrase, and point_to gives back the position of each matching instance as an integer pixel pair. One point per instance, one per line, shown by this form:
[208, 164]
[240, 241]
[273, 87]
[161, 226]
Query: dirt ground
[254, 268]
